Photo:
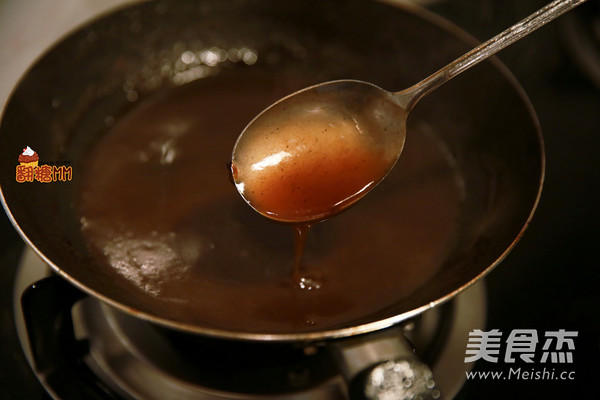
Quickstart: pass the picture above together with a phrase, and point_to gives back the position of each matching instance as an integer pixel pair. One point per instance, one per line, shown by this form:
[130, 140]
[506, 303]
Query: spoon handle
[409, 97]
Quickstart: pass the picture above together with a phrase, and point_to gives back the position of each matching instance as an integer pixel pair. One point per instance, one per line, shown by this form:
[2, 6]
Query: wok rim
[327, 334]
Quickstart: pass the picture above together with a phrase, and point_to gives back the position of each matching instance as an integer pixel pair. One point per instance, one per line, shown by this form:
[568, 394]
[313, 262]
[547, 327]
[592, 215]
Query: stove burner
[139, 360]
[149, 361]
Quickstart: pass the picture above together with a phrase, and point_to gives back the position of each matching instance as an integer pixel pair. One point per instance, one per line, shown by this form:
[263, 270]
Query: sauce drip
[300, 276]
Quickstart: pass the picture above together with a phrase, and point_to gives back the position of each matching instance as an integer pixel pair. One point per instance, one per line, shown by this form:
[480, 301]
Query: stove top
[550, 280]
[134, 359]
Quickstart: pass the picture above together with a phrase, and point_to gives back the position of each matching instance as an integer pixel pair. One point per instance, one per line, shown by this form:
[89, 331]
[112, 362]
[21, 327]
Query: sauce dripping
[300, 276]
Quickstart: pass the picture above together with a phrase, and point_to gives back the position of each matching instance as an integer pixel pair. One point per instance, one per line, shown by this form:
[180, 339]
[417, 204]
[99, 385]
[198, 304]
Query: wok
[65, 102]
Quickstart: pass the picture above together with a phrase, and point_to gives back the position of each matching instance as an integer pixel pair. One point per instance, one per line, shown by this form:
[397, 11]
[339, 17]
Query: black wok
[68, 98]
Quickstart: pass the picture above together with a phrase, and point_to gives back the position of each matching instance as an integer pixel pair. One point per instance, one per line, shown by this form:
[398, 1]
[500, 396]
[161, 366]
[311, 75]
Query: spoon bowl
[316, 152]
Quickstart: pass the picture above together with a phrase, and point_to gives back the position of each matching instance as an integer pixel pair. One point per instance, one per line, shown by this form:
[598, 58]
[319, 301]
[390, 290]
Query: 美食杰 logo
[524, 354]
[30, 169]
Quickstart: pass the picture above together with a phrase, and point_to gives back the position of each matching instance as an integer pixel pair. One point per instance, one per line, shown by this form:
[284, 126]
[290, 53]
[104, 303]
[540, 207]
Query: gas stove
[548, 283]
[129, 358]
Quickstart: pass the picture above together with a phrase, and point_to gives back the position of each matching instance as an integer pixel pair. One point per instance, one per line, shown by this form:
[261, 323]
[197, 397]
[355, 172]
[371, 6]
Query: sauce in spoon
[312, 159]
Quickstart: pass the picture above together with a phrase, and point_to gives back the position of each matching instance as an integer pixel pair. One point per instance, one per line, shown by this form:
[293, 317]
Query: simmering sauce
[161, 217]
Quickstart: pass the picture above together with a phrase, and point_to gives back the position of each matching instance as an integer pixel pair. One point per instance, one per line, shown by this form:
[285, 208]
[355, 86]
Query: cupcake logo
[30, 170]
[29, 157]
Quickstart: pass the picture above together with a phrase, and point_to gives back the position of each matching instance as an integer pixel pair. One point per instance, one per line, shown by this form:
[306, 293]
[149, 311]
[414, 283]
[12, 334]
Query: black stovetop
[551, 280]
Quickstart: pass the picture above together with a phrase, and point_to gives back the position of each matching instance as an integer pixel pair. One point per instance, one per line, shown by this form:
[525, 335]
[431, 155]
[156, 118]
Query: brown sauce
[308, 167]
[160, 215]
[301, 276]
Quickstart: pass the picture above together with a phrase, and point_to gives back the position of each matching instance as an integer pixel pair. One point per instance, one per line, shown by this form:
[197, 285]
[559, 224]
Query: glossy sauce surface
[307, 162]
[160, 215]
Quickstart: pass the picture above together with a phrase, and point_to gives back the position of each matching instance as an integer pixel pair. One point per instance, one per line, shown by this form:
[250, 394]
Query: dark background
[551, 280]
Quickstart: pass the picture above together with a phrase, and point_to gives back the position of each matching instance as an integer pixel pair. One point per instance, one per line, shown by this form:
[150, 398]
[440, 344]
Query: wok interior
[74, 92]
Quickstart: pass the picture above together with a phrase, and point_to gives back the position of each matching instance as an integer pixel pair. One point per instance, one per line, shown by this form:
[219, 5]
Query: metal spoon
[315, 152]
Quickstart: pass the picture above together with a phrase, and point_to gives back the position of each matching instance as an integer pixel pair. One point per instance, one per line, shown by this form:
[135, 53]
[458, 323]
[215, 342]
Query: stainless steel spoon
[315, 152]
